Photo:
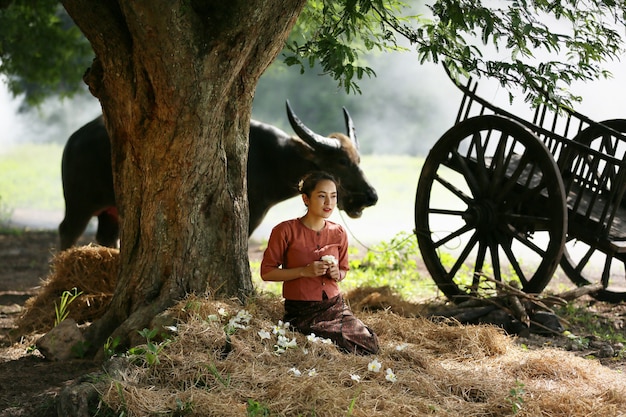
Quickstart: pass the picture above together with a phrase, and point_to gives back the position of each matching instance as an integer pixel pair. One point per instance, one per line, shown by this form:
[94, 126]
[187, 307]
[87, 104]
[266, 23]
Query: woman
[310, 256]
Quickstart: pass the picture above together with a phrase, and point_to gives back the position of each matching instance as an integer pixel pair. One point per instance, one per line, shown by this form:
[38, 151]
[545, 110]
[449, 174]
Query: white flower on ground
[264, 334]
[295, 371]
[236, 324]
[283, 343]
[401, 346]
[241, 320]
[243, 316]
[286, 343]
[222, 312]
[315, 339]
[355, 377]
[312, 372]
[280, 328]
[390, 376]
[374, 366]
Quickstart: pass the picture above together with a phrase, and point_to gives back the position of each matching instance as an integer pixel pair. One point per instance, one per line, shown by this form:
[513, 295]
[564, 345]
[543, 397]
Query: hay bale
[92, 270]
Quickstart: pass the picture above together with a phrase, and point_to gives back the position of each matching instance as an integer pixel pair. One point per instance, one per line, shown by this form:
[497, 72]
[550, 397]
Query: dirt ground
[29, 384]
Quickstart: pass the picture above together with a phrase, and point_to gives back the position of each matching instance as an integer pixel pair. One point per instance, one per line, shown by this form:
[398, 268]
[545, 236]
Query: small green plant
[183, 408]
[392, 264]
[257, 409]
[213, 370]
[353, 403]
[61, 311]
[148, 353]
[192, 306]
[397, 254]
[110, 347]
[79, 350]
[120, 392]
[516, 397]
[578, 342]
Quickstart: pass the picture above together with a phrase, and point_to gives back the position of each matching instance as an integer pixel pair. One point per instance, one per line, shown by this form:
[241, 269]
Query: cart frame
[562, 175]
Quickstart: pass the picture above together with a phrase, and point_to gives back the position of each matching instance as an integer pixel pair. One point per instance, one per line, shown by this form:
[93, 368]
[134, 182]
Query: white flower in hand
[329, 258]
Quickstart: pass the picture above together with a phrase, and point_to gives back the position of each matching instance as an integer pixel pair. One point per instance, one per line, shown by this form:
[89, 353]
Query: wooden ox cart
[504, 199]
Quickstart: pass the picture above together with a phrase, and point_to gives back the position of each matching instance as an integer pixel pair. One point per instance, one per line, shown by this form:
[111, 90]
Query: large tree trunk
[176, 82]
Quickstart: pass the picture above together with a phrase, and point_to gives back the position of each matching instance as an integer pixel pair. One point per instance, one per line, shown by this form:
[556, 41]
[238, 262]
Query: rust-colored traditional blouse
[293, 245]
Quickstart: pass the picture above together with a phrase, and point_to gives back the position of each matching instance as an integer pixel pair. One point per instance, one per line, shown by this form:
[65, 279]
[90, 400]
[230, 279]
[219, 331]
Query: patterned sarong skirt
[332, 319]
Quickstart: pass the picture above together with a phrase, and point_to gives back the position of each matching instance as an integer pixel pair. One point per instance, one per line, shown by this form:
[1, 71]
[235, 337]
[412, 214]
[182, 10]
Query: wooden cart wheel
[585, 263]
[490, 207]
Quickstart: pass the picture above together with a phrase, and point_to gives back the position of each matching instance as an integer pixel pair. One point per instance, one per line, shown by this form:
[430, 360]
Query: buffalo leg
[108, 228]
[72, 227]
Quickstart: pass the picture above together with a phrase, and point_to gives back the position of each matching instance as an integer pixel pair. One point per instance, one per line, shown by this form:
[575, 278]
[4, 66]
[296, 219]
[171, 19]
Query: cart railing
[594, 174]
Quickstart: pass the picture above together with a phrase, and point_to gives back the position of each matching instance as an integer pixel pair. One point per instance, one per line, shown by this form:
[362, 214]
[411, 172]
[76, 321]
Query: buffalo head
[338, 154]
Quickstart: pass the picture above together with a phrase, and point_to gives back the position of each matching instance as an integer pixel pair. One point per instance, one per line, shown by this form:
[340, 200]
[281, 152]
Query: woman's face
[323, 199]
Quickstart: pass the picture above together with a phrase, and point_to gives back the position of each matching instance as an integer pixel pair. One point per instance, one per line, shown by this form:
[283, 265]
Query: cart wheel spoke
[584, 260]
[463, 256]
[452, 235]
[511, 183]
[481, 162]
[498, 165]
[447, 212]
[495, 261]
[606, 271]
[454, 190]
[529, 244]
[516, 266]
[478, 266]
[471, 180]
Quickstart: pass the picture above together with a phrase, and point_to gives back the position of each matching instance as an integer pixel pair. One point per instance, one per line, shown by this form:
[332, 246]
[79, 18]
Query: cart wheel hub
[482, 215]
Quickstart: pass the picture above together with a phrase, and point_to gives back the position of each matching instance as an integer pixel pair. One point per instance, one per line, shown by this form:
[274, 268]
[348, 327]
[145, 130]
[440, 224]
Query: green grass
[595, 324]
[30, 177]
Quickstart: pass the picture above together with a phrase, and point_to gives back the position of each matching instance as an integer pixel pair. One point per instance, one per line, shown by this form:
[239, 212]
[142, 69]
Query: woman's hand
[315, 269]
[333, 271]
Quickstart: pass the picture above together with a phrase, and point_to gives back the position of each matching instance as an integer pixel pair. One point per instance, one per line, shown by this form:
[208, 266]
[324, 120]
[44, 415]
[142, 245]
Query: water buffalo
[276, 162]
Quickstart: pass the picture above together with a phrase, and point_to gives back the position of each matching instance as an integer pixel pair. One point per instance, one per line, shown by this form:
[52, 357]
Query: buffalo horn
[306, 134]
[350, 128]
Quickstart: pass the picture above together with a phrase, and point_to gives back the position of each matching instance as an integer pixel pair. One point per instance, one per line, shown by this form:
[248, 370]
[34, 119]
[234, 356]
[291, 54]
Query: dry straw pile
[92, 270]
[434, 369]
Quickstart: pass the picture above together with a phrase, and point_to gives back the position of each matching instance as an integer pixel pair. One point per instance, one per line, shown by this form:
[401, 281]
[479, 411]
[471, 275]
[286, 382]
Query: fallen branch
[580, 291]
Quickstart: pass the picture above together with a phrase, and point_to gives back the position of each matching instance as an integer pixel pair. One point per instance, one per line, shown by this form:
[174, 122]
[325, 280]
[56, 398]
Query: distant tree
[42, 52]
[176, 80]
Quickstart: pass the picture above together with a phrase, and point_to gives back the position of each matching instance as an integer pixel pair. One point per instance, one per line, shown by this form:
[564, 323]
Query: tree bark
[176, 82]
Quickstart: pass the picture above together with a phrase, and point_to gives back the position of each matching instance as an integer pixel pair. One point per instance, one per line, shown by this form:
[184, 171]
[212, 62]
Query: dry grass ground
[205, 366]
